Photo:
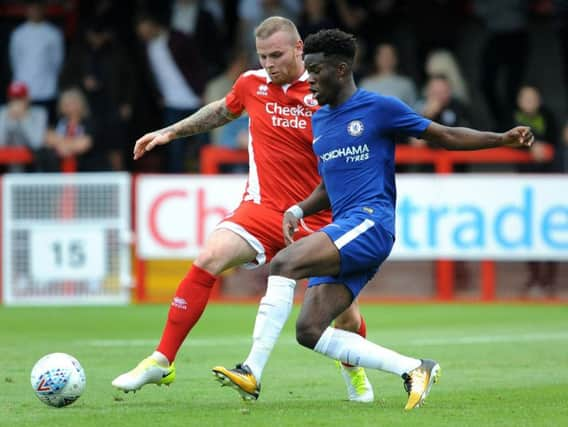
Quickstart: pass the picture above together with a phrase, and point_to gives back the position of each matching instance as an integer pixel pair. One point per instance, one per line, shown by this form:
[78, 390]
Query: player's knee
[211, 259]
[283, 265]
[348, 322]
[307, 334]
[278, 265]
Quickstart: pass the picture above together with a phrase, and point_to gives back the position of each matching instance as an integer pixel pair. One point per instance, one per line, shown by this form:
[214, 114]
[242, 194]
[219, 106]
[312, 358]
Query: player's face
[280, 56]
[323, 78]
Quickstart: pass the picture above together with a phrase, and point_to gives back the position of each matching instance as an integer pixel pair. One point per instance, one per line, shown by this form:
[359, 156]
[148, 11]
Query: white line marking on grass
[288, 340]
[486, 339]
[195, 342]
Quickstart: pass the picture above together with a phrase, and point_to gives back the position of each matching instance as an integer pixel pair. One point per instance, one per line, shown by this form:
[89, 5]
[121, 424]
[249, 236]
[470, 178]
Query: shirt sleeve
[234, 99]
[400, 118]
[58, 52]
[14, 48]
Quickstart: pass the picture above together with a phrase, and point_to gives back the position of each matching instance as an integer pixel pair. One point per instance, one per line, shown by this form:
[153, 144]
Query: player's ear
[300, 47]
[342, 70]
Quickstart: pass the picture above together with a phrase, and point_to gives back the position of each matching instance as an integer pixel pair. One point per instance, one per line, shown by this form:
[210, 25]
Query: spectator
[101, 67]
[191, 18]
[314, 17]
[73, 137]
[530, 111]
[179, 75]
[234, 134]
[443, 62]
[386, 80]
[252, 12]
[505, 53]
[218, 11]
[352, 14]
[20, 123]
[561, 25]
[36, 55]
[436, 24]
[372, 22]
[441, 105]
[116, 16]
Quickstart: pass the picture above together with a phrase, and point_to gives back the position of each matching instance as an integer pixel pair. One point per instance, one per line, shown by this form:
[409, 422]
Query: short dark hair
[332, 43]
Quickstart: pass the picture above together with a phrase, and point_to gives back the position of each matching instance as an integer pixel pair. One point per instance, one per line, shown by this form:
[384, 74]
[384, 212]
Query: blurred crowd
[83, 79]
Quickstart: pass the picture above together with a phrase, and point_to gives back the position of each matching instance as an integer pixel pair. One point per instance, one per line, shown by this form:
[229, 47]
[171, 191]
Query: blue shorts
[363, 245]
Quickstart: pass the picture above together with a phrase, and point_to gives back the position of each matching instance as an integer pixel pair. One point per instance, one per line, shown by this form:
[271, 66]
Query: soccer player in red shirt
[282, 170]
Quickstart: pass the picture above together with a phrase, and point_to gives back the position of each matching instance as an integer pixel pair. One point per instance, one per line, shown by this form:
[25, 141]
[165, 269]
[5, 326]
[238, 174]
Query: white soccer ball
[58, 379]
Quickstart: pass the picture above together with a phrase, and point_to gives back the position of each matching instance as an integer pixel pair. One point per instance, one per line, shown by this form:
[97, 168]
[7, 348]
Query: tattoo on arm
[209, 117]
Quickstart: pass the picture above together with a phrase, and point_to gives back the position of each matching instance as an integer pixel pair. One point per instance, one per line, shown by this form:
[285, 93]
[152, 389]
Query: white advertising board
[174, 215]
[503, 217]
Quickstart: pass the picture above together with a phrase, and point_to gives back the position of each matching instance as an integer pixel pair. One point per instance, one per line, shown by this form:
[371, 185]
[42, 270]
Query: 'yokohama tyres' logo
[351, 154]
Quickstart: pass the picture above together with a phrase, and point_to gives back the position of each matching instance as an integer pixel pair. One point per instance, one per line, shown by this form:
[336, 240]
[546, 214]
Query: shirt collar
[302, 78]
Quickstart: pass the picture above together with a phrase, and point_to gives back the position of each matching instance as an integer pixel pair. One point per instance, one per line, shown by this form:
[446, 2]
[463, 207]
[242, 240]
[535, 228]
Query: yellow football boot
[240, 378]
[419, 381]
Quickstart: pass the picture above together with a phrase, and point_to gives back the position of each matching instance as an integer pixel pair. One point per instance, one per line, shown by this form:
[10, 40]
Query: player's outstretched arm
[209, 117]
[315, 202]
[461, 138]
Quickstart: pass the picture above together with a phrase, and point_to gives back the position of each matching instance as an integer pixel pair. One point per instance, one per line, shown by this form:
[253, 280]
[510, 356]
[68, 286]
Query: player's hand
[289, 227]
[150, 140]
[518, 137]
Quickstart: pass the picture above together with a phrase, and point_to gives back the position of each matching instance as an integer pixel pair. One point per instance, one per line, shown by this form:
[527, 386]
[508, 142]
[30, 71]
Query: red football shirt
[282, 165]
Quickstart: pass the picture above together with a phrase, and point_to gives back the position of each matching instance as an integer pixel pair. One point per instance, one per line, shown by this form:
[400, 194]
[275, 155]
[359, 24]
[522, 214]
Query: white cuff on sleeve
[296, 211]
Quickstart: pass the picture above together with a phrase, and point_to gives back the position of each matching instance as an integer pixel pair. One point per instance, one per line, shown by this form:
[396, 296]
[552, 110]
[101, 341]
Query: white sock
[353, 349]
[272, 314]
[161, 359]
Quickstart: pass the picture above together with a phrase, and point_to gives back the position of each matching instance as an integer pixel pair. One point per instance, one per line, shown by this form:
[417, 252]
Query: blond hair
[443, 62]
[274, 24]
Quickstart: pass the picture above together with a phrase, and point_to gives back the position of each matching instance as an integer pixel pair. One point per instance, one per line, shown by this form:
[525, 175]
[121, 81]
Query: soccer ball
[58, 379]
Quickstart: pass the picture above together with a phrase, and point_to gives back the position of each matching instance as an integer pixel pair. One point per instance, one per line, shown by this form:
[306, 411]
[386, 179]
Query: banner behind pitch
[507, 217]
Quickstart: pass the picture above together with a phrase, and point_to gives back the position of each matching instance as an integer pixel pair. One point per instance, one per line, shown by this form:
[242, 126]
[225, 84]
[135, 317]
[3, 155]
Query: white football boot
[149, 371]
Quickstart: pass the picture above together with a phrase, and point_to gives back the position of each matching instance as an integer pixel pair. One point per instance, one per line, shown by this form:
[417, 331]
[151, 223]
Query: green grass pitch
[502, 365]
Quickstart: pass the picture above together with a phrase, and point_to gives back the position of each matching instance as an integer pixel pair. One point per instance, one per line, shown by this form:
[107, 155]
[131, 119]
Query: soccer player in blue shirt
[354, 141]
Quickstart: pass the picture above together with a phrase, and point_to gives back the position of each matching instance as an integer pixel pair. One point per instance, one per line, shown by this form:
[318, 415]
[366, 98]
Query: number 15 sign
[67, 253]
